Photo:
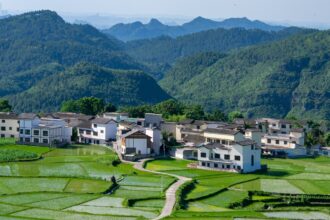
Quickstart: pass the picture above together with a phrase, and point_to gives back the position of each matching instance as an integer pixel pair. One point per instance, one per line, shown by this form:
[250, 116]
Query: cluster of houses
[234, 147]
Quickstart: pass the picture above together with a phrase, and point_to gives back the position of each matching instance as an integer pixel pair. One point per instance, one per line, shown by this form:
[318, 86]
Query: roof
[196, 139]
[135, 133]
[8, 115]
[246, 142]
[221, 131]
[102, 120]
[298, 130]
[69, 115]
[27, 116]
[85, 124]
[211, 146]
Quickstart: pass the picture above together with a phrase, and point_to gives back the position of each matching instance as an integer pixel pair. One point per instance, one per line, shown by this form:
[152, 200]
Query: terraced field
[220, 195]
[72, 183]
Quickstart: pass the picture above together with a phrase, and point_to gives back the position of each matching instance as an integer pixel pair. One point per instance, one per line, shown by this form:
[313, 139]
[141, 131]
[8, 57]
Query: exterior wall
[9, 128]
[156, 139]
[153, 120]
[140, 145]
[254, 135]
[248, 153]
[169, 127]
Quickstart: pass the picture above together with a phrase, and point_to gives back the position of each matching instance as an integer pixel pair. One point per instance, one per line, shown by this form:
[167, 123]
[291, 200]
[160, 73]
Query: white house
[97, 131]
[236, 156]
[43, 131]
[135, 142]
[9, 125]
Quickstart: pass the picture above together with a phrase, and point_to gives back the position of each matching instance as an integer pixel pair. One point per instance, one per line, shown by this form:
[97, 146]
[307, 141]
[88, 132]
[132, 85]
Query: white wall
[139, 144]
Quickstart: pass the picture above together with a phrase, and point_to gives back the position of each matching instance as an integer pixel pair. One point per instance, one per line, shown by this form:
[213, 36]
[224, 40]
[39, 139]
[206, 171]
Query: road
[170, 192]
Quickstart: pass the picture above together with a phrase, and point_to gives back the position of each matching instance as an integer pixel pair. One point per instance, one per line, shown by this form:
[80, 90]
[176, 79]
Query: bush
[8, 155]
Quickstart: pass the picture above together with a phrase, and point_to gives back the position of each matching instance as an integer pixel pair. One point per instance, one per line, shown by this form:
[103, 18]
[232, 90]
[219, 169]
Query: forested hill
[37, 45]
[160, 53]
[287, 77]
[138, 31]
[120, 87]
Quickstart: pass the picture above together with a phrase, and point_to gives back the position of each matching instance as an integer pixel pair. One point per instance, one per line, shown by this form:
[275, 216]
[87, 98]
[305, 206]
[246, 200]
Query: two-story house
[97, 131]
[43, 131]
[233, 156]
[9, 125]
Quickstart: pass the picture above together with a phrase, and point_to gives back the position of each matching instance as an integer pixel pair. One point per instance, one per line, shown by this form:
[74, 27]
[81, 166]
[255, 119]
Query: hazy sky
[294, 11]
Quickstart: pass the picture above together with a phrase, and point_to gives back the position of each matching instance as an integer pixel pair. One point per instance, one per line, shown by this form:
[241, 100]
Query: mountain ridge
[153, 29]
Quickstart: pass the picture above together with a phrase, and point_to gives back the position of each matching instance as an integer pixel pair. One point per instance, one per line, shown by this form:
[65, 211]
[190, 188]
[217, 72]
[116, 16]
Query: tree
[110, 107]
[86, 105]
[217, 115]
[233, 115]
[327, 139]
[5, 106]
[315, 135]
[168, 107]
[194, 112]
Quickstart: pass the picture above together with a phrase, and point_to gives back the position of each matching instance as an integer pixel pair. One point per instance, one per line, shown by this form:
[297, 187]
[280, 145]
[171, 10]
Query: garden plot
[202, 207]
[36, 213]
[106, 201]
[113, 211]
[162, 165]
[87, 186]
[298, 215]
[62, 203]
[153, 203]
[7, 209]
[147, 181]
[310, 176]
[27, 198]
[225, 199]
[138, 194]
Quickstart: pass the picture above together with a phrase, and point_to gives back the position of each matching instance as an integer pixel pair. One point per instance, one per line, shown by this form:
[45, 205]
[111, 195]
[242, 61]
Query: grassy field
[220, 195]
[70, 183]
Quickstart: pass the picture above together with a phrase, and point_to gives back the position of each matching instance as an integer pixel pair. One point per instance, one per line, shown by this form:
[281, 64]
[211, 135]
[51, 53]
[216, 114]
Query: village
[215, 145]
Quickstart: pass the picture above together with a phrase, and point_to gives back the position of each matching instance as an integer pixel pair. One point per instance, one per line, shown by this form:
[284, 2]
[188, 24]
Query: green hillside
[159, 54]
[120, 87]
[287, 77]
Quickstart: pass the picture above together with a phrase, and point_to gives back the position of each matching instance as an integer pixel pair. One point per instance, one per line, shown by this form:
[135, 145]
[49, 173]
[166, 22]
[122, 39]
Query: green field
[220, 195]
[70, 183]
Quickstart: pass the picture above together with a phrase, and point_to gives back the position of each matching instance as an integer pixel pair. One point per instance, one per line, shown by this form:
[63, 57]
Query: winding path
[170, 192]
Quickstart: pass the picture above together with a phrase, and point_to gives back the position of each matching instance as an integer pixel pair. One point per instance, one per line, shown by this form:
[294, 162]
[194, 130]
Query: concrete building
[235, 156]
[97, 131]
[43, 131]
[9, 125]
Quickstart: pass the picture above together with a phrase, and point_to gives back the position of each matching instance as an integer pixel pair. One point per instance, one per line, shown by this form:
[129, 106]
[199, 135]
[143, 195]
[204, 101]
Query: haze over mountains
[265, 71]
[137, 30]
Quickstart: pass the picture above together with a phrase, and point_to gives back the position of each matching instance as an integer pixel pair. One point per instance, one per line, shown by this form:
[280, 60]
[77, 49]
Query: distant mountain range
[38, 51]
[137, 30]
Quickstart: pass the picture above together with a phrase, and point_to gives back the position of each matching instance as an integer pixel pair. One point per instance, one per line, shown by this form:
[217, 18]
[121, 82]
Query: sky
[277, 11]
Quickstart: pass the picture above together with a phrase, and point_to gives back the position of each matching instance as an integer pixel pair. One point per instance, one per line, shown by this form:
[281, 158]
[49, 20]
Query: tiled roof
[216, 146]
[101, 120]
[221, 131]
[8, 115]
[27, 116]
[246, 142]
[85, 124]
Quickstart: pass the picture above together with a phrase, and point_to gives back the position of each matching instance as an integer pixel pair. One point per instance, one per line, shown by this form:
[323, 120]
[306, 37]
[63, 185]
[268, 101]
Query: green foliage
[85, 105]
[110, 108]
[7, 155]
[5, 106]
[160, 52]
[327, 139]
[233, 115]
[286, 77]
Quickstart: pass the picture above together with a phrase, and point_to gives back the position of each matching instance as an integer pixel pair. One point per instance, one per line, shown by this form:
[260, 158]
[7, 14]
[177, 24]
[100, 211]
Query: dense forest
[160, 53]
[283, 78]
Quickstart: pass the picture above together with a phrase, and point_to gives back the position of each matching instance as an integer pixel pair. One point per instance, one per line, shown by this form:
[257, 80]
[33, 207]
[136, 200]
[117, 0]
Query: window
[238, 158]
[223, 166]
[97, 142]
[45, 133]
[45, 141]
[27, 140]
[203, 155]
[12, 136]
[36, 140]
[285, 142]
[21, 139]
[198, 127]
[2, 136]
[252, 146]
[277, 142]
[3, 128]
[223, 142]
[217, 156]
[95, 125]
[218, 141]
[95, 133]
[227, 157]
[208, 164]
[27, 131]
[35, 132]
[239, 167]
[274, 125]
[203, 164]
[290, 126]
[283, 126]
[10, 128]
[88, 132]
[17, 129]
[252, 160]
[21, 131]
[269, 141]
[3, 121]
[228, 166]
[216, 165]
[102, 131]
